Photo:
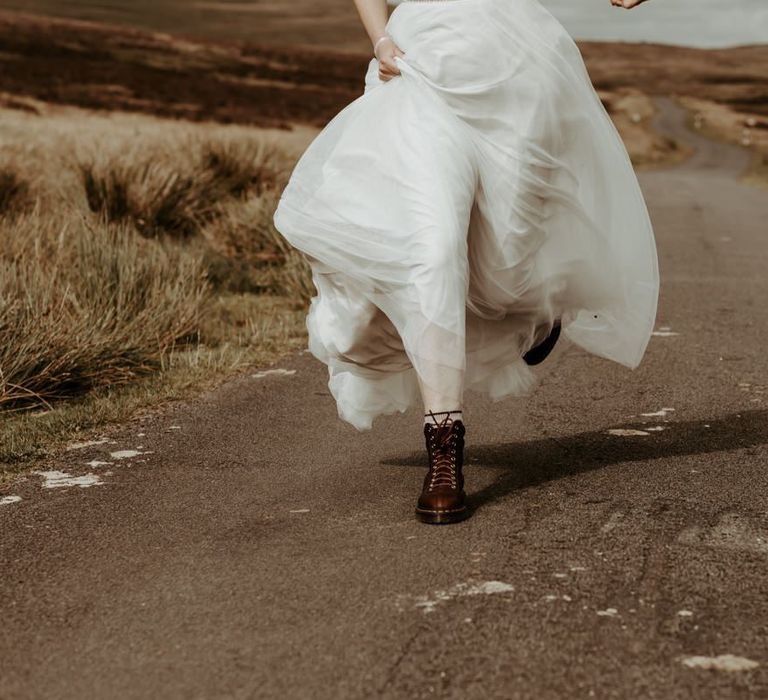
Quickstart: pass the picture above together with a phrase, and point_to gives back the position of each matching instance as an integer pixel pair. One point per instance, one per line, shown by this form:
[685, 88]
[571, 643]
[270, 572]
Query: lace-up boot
[442, 497]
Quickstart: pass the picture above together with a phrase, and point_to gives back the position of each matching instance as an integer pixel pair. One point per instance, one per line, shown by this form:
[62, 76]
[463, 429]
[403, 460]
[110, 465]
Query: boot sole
[442, 517]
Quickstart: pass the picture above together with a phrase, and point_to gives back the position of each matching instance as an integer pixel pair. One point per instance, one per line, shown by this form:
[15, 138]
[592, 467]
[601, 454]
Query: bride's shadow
[530, 463]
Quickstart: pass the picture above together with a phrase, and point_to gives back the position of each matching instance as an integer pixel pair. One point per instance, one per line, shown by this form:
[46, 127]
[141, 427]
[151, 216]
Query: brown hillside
[108, 67]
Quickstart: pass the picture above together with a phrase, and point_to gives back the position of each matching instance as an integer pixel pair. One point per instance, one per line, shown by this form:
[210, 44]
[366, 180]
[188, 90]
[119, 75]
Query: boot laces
[443, 452]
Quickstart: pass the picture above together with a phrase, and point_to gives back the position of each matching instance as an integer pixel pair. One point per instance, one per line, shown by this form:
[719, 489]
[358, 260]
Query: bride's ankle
[443, 417]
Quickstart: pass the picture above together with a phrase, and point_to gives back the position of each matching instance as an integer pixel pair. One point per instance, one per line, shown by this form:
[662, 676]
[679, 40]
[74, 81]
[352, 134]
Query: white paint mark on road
[87, 443]
[559, 575]
[127, 454]
[7, 500]
[174, 427]
[626, 432]
[656, 428]
[280, 372]
[141, 434]
[684, 613]
[658, 414]
[578, 568]
[97, 463]
[299, 510]
[608, 612]
[461, 590]
[56, 480]
[724, 662]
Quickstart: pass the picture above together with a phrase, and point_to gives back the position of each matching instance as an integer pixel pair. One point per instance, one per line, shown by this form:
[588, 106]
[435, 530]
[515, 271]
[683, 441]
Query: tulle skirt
[452, 214]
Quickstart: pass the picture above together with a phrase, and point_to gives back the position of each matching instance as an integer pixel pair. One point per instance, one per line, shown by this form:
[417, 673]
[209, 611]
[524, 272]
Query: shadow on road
[549, 458]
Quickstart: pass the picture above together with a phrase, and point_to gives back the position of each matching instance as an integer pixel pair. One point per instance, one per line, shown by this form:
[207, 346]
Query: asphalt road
[258, 547]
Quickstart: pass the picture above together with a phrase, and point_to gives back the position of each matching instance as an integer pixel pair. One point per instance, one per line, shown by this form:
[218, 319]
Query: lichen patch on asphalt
[661, 413]
[460, 590]
[279, 372]
[731, 532]
[664, 332]
[126, 454]
[87, 443]
[724, 662]
[55, 479]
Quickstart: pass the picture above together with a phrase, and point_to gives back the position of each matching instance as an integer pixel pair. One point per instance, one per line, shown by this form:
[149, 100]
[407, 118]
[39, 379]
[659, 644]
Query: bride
[472, 206]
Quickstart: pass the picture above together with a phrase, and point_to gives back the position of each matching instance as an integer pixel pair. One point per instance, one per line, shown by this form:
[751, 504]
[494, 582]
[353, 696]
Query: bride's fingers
[385, 74]
[389, 66]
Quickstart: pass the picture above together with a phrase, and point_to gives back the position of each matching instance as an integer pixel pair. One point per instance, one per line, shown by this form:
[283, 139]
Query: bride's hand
[385, 53]
[626, 4]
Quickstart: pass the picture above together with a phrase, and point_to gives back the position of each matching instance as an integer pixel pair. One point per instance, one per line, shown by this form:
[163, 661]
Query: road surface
[249, 544]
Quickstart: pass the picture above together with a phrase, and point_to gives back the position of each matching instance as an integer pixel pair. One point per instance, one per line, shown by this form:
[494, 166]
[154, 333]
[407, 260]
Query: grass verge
[240, 331]
[138, 265]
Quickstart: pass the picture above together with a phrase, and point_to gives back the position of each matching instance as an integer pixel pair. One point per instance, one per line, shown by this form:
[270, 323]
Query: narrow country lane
[249, 544]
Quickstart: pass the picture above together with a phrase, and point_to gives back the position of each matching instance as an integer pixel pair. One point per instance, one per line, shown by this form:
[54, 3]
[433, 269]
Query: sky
[704, 23]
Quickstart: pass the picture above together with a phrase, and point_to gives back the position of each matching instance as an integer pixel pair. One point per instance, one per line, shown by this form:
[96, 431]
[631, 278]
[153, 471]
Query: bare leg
[436, 401]
[441, 377]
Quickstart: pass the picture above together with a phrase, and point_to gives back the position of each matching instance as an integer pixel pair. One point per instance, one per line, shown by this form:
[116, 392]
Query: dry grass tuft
[15, 196]
[138, 263]
[177, 196]
[247, 254]
[84, 305]
[240, 169]
[154, 199]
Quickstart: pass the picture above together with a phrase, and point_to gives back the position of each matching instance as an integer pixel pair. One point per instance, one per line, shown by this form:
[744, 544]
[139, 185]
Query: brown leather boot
[442, 497]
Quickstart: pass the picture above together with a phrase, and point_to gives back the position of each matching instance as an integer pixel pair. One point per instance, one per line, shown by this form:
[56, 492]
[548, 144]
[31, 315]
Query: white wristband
[378, 41]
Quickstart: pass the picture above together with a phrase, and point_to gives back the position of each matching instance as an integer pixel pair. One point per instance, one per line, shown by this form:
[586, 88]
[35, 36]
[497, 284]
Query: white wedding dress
[453, 213]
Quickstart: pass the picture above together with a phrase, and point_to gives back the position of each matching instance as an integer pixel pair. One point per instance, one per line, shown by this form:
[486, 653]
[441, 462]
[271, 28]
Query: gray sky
[706, 23]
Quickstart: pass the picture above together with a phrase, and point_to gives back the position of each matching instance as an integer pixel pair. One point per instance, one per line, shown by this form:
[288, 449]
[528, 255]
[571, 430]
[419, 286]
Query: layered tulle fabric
[453, 213]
